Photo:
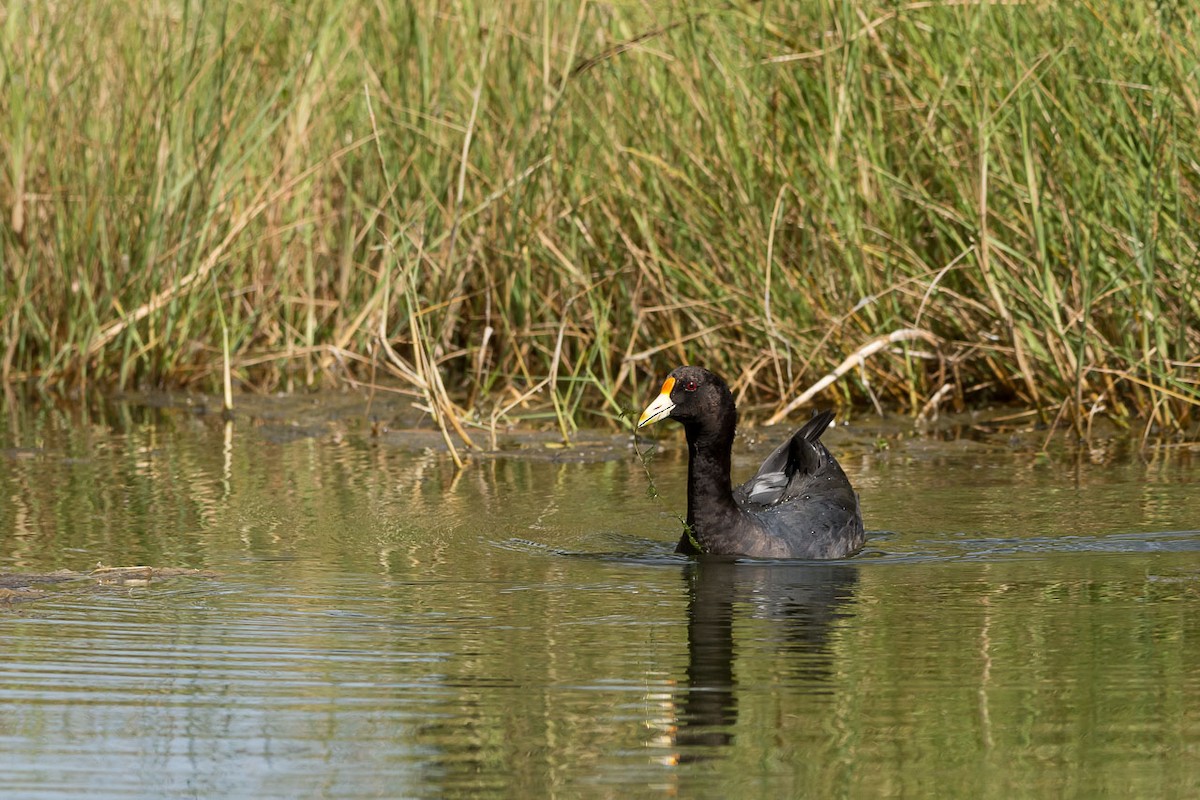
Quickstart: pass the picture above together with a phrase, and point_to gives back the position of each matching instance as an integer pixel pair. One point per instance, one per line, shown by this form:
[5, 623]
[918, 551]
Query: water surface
[371, 622]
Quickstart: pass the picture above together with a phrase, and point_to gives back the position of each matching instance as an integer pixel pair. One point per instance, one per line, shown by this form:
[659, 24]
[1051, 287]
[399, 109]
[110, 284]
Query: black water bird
[798, 505]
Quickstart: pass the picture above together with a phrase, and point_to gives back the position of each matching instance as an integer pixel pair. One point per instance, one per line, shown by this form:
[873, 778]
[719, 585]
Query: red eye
[690, 387]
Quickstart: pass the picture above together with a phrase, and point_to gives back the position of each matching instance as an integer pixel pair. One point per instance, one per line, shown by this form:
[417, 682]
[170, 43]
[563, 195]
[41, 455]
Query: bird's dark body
[798, 505]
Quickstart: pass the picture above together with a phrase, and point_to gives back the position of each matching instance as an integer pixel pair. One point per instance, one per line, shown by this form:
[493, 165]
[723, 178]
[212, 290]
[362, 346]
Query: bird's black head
[696, 397]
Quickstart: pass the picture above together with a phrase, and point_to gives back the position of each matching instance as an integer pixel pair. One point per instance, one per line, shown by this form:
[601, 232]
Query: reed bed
[528, 212]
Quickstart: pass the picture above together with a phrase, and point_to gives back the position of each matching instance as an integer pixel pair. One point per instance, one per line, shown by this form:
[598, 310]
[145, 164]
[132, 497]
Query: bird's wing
[800, 454]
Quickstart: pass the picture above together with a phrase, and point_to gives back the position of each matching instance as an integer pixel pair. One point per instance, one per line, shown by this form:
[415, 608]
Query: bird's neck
[711, 506]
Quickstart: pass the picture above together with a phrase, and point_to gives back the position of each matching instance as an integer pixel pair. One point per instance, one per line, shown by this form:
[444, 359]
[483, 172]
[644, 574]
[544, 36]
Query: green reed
[509, 210]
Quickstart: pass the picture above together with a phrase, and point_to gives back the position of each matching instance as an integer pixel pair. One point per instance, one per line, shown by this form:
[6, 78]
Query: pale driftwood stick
[930, 409]
[857, 358]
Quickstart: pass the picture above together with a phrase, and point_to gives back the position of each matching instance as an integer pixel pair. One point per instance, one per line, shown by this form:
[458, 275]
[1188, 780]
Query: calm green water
[375, 624]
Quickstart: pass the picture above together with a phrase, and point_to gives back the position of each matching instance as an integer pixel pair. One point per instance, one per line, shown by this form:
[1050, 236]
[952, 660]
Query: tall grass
[535, 208]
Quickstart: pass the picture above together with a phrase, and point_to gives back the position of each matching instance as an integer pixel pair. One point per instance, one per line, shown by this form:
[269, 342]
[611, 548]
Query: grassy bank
[555, 204]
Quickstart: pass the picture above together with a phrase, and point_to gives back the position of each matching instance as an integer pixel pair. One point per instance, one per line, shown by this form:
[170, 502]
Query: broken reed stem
[226, 367]
[930, 409]
[555, 360]
[432, 398]
[226, 372]
[426, 371]
[857, 358]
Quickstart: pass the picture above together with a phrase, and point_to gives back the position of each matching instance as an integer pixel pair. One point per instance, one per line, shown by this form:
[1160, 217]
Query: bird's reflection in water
[803, 599]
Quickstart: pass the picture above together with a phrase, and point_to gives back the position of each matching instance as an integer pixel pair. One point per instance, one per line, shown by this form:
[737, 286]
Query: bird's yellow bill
[661, 407]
